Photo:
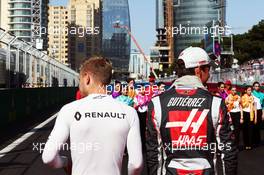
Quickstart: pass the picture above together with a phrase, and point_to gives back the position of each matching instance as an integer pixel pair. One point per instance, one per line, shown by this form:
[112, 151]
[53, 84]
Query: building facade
[190, 16]
[4, 14]
[20, 19]
[44, 11]
[84, 34]
[116, 41]
[25, 19]
[162, 45]
[58, 35]
[138, 66]
[189, 19]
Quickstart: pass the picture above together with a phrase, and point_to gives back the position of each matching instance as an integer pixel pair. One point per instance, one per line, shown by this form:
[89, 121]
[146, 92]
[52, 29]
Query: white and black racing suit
[99, 128]
[189, 133]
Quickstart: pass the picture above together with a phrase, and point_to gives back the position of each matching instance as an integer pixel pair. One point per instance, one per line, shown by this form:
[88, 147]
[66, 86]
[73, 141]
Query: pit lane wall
[19, 105]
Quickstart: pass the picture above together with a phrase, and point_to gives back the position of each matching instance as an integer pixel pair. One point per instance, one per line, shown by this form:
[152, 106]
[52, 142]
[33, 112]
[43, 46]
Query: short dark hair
[130, 79]
[256, 82]
[245, 90]
[160, 83]
[247, 87]
[99, 67]
[181, 70]
[220, 83]
[117, 82]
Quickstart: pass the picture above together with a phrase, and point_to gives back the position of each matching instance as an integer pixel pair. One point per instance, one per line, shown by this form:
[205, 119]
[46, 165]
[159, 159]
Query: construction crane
[117, 25]
[170, 23]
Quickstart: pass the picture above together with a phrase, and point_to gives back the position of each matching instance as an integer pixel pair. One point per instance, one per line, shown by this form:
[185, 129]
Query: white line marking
[11, 146]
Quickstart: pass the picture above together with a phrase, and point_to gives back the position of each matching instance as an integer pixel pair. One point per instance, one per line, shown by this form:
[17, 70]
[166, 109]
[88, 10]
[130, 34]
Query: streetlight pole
[117, 25]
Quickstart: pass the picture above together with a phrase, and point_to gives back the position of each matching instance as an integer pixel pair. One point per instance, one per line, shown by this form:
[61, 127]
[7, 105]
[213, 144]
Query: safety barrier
[19, 105]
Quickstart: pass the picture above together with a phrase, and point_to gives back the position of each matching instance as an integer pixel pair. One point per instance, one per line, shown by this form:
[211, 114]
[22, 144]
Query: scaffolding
[36, 20]
[170, 24]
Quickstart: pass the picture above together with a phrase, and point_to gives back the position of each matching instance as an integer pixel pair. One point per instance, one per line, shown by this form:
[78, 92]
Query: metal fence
[239, 76]
[38, 69]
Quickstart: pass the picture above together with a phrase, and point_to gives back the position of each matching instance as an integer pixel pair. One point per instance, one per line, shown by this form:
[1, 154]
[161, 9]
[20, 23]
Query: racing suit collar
[96, 95]
[190, 81]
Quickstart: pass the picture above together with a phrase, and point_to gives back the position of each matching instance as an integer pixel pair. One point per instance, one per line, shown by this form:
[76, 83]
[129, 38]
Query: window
[80, 47]
[21, 19]
[19, 5]
[21, 26]
[21, 12]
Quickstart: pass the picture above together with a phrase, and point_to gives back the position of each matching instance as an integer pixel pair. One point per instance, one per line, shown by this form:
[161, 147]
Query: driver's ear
[197, 71]
[88, 79]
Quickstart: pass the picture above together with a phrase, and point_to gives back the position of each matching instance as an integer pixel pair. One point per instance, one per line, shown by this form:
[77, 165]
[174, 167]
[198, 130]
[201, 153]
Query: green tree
[250, 45]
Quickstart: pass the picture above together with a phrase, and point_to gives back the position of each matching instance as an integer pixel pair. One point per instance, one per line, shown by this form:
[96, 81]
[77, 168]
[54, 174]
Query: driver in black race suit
[188, 129]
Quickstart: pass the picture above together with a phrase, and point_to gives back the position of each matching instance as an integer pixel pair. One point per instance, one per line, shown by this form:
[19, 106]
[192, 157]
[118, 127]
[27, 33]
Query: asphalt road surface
[21, 155]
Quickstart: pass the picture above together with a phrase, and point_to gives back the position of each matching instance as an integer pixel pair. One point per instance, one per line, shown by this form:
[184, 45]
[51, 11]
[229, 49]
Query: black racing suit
[189, 133]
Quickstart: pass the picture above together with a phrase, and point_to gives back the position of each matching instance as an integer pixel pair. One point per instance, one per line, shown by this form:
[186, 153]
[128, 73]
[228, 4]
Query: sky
[241, 16]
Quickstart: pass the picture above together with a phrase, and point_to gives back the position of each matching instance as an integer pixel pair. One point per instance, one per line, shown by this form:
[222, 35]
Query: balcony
[19, 8]
[24, 37]
[13, 29]
[20, 22]
[18, 12]
[19, 15]
[21, 1]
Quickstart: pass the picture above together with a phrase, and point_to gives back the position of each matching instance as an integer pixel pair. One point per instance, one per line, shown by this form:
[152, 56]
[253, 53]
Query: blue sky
[241, 16]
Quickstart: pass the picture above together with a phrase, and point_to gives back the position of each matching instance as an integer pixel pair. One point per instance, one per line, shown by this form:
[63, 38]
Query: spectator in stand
[141, 101]
[117, 89]
[161, 87]
[151, 89]
[131, 88]
[228, 86]
[249, 117]
[259, 101]
[221, 90]
[124, 98]
[234, 108]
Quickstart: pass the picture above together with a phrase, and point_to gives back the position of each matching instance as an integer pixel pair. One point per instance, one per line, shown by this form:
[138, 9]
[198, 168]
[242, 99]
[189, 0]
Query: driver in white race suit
[98, 126]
